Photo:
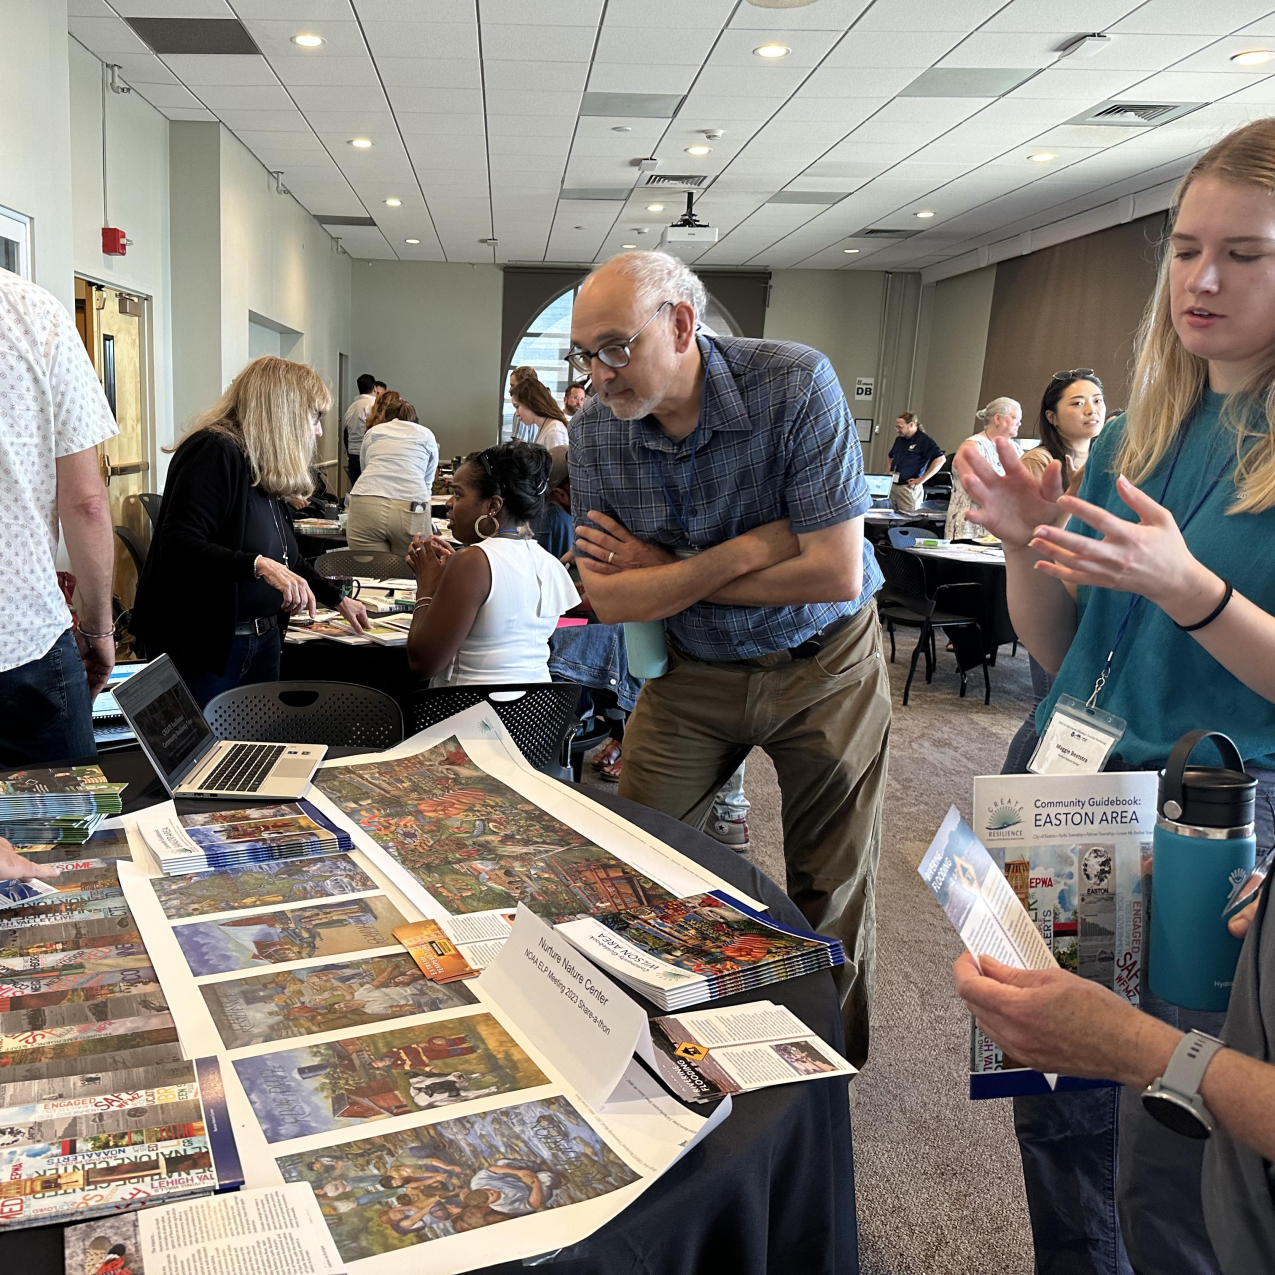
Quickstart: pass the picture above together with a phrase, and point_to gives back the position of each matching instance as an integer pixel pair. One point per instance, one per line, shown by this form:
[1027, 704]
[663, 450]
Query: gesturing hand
[13, 867]
[296, 592]
[427, 559]
[355, 613]
[613, 548]
[1011, 506]
[1148, 557]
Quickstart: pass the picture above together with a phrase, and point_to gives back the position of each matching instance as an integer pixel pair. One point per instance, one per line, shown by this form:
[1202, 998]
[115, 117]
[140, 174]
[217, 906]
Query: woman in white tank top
[484, 614]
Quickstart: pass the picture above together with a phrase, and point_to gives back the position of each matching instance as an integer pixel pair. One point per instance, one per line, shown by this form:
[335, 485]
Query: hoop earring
[486, 535]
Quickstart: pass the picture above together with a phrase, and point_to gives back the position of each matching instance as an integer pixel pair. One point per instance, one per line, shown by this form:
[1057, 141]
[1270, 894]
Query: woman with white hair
[1000, 419]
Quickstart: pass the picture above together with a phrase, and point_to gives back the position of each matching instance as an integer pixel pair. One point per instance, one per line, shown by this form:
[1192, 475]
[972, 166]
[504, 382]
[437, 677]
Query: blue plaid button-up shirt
[775, 440]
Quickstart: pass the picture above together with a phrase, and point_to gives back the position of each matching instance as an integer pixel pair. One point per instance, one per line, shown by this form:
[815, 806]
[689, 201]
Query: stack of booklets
[48, 807]
[99, 1109]
[686, 951]
[238, 838]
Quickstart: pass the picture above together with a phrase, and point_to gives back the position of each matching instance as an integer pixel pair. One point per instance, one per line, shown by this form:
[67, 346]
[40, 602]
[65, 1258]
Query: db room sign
[863, 388]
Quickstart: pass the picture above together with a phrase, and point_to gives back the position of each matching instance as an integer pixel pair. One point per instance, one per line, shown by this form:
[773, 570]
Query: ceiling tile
[1076, 84]
[183, 113]
[614, 77]
[764, 81]
[828, 15]
[338, 97]
[1159, 17]
[927, 15]
[653, 45]
[1046, 15]
[246, 97]
[177, 9]
[430, 73]
[463, 150]
[524, 77]
[435, 40]
[427, 101]
[378, 125]
[540, 101]
[857, 82]
[1184, 86]
[274, 38]
[847, 111]
[808, 48]
[413, 123]
[265, 121]
[164, 96]
[871, 50]
[530, 125]
[143, 68]
[668, 15]
[302, 147]
[716, 105]
[329, 70]
[219, 69]
[1005, 49]
[546, 45]
[296, 10]
[107, 36]
[553, 13]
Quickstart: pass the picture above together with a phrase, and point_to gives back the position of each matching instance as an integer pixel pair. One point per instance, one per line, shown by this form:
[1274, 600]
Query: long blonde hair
[1168, 380]
[267, 411]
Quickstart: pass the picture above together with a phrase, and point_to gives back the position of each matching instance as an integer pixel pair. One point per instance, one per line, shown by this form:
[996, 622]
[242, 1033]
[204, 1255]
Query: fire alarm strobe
[114, 244]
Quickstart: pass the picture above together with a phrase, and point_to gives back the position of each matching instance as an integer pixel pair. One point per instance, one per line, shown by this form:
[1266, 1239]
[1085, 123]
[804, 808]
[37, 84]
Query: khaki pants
[376, 522]
[825, 723]
[907, 500]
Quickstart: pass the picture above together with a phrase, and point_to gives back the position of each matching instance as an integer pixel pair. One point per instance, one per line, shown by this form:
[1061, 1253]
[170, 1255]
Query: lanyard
[1137, 597]
[682, 513]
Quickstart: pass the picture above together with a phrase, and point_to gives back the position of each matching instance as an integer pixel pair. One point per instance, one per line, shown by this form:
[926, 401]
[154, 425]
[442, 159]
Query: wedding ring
[611, 557]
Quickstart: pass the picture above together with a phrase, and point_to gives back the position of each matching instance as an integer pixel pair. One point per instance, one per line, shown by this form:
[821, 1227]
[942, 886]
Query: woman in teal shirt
[1160, 575]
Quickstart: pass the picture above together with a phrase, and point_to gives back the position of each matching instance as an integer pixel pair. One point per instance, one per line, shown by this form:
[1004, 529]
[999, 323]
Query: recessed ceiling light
[1043, 157]
[850, 250]
[393, 203]
[308, 41]
[628, 245]
[655, 208]
[924, 216]
[699, 150]
[360, 143]
[411, 241]
[772, 51]
[1252, 57]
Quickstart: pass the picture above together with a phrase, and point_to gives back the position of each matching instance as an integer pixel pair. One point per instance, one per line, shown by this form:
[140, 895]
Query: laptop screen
[879, 484]
[165, 717]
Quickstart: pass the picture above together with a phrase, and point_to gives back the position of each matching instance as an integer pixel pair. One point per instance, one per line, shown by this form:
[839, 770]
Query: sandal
[607, 755]
[611, 773]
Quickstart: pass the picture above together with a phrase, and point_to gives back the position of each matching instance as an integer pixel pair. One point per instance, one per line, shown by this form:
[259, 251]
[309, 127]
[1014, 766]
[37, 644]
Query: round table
[768, 1192]
[965, 564]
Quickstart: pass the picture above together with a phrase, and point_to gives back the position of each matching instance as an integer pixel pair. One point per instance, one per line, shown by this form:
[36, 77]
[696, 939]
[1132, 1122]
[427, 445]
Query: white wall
[137, 185]
[431, 331]
[35, 129]
[958, 311]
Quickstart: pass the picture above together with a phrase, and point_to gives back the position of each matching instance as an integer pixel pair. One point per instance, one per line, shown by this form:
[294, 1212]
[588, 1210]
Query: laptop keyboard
[244, 768]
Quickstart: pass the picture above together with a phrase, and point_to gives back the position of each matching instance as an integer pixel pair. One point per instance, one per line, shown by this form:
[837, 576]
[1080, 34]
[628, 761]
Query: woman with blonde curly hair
[224, 571]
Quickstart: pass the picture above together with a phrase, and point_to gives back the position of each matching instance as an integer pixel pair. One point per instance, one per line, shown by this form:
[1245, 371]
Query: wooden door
[113, 325]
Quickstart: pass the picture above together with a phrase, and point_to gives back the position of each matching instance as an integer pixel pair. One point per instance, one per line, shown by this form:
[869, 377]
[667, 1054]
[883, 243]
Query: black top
[911, 456]
[198, 578]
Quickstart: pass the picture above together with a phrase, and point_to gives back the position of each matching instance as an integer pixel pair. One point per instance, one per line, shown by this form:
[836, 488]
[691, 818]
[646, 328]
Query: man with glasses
[717, 486]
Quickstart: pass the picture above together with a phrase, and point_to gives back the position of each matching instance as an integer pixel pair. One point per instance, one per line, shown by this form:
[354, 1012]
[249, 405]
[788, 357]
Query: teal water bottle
[1204, 847]
[644, 644]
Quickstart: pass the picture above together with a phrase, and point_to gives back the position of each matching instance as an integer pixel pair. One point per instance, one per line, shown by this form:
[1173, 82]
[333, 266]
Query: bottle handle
[1178, 758]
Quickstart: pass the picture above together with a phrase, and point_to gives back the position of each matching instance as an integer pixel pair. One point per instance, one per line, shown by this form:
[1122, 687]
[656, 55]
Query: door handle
[110, 470]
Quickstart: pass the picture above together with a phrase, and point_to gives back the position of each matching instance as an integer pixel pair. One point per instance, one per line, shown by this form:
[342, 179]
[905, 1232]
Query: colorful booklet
[56, 793]
[702, 948]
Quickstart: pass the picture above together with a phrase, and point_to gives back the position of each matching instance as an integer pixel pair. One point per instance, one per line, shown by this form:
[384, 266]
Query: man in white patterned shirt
[53, 414]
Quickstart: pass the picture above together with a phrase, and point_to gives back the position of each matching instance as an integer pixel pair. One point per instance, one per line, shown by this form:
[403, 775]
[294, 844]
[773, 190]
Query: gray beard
[634, 410]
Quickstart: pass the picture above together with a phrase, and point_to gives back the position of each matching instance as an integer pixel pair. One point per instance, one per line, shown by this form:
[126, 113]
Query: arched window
[546, 341]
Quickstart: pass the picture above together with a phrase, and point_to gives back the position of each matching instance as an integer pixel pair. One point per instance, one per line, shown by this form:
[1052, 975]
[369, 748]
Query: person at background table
[53, 414]
[400, 459]
[916, 458]
[1000, 419]
[1072, 414]
[355, 422]
[535, 408]
[1177, 499]
[717, 486]
[485, 613]
[553, 527]
[224, 571]
[574, 399]
[524, 372]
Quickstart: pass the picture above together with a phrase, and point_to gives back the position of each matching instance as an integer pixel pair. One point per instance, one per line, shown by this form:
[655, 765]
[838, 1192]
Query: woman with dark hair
[535, 407]
[484, 615]
[1072, 414]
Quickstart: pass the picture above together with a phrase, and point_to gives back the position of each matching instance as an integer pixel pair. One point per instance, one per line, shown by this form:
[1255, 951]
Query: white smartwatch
[1174, 1098]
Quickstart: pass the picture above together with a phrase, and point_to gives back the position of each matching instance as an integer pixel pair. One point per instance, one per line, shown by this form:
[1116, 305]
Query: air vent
[343, 219]
[883, 232]
[693, 180]
[1134, 114]
[194, 35]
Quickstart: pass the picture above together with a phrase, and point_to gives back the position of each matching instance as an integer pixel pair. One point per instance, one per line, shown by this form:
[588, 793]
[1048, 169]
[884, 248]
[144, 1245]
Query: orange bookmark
[439, 958]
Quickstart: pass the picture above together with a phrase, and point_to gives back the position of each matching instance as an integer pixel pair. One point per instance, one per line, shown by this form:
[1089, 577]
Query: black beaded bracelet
[1212, 615]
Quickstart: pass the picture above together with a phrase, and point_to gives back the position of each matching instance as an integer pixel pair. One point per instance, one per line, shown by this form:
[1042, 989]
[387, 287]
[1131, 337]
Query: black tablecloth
[382, 667]
[771, 1190]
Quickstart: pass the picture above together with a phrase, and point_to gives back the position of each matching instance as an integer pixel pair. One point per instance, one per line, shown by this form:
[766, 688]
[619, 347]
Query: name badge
[1077, 741]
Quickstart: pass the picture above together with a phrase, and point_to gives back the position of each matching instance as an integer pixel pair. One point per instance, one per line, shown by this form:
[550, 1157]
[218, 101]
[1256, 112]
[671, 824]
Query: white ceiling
[473, 106]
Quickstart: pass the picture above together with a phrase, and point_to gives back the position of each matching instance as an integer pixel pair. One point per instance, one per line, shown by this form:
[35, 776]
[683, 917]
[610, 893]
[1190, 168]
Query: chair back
[541, 716]
[133, 543]
[151, 502]
[370, 563]
[904, 579]
[339, 714]
[906, 537]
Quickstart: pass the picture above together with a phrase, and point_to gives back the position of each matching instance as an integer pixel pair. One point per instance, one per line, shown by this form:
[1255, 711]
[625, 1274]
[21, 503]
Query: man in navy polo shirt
[915, 457]
[717, 485]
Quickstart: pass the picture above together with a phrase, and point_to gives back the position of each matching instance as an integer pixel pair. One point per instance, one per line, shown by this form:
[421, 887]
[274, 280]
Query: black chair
[339, 714]
[541, 717]
[371, 563]
[151, 502]
[133, 543]
[910, 606]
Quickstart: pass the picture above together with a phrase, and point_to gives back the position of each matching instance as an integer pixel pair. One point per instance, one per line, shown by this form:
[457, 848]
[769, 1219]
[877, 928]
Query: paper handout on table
[983, 908]
[277, 1229]
[708, 1053]
[438, 957]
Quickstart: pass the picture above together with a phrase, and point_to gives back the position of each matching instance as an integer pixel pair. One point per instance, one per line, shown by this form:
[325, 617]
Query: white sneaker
[730, 832]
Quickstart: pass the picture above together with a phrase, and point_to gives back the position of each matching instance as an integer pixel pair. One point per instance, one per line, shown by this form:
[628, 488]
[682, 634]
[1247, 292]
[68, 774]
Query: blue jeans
[253, 658]
[1111, 1191]
[48, 713]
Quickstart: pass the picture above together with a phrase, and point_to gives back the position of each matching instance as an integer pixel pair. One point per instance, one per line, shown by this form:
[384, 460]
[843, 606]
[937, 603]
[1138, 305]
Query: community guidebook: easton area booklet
[439, 1127]
[1076, 850]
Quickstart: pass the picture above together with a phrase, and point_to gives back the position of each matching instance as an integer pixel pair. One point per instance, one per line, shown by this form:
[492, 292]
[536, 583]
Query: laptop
[879, 484]
[191, 760]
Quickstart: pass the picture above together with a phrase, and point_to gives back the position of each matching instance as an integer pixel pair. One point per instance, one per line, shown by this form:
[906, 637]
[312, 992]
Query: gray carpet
[938, 1178]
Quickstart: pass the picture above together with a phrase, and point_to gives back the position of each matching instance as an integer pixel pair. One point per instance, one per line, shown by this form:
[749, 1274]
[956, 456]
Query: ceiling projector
[688, 234]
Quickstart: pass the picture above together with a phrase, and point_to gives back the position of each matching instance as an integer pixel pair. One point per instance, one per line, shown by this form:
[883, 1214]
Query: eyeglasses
[1076, 374]
[615, 355]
